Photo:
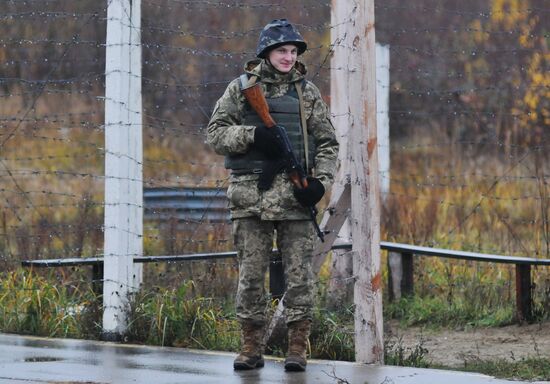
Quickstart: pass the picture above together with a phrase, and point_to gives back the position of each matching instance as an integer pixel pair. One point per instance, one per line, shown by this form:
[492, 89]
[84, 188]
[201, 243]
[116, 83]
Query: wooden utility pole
[364, 179]
[383, 117]
[340, 289]
[123, 164]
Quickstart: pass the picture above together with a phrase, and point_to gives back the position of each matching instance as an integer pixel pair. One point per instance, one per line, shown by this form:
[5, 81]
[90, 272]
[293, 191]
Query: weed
[533, 368]
[396, 354]
[437, 312]
[332, 335]
[31, 304]
[170, 316]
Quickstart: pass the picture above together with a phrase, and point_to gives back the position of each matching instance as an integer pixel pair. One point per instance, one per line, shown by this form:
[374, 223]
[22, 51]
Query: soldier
[260, 212]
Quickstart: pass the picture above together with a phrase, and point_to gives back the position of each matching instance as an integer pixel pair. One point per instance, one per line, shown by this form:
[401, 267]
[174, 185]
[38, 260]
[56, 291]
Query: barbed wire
[480, 12]
[220, 4]
[48, 15]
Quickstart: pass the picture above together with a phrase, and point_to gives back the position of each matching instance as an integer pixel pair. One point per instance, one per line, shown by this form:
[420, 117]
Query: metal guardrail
[524, 285]
[186, 204]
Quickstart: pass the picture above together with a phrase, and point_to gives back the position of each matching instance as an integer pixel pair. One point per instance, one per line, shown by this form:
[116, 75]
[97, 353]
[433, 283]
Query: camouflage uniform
[257, 214]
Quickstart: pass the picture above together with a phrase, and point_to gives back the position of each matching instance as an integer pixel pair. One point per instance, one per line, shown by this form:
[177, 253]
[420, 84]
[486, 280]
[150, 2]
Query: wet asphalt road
[39, 360]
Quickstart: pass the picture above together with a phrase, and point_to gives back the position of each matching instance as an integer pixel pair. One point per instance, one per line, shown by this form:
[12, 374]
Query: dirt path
[451, 348]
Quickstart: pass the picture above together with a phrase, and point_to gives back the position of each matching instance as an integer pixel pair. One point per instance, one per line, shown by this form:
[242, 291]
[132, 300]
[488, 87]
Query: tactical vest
[285, 110]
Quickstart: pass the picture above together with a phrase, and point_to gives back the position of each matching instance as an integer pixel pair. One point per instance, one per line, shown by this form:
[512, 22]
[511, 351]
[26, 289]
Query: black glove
[270, 169]
[311, 195]
[267, 142]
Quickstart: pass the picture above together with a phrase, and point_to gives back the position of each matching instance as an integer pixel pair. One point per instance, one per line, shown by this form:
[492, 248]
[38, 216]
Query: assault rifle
[295, 171]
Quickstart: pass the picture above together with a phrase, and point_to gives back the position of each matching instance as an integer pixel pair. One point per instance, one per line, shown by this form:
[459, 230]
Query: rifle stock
[257, 101]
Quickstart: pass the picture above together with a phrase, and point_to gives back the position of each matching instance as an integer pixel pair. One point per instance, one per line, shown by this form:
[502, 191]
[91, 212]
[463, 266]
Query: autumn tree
[508, 70]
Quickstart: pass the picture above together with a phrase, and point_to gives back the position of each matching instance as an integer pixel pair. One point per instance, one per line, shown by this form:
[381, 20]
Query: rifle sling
[304, 124]
[252, 80]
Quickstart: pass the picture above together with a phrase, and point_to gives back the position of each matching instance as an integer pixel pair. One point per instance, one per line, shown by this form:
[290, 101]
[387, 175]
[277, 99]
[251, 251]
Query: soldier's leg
[253, 240]
[296, 240]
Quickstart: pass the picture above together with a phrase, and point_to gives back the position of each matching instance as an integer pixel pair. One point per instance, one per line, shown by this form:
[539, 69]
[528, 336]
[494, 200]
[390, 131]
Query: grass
[533, 368]
[31, 304]
[437, 312]
[395, 353]
[171, 317]
[332, 335]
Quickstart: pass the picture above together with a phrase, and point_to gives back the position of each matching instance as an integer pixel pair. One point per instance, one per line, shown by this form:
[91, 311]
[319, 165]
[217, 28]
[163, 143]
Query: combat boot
[251, 347]
[298, 333]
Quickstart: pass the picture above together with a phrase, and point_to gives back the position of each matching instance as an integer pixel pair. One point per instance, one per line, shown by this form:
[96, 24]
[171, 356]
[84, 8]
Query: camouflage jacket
[227, 135]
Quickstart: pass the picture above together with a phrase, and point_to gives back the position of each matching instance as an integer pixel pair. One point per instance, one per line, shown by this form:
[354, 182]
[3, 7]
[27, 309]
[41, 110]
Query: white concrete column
[123, 163]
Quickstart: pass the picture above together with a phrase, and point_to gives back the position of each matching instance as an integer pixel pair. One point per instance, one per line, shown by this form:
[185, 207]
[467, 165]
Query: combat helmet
[279, 32]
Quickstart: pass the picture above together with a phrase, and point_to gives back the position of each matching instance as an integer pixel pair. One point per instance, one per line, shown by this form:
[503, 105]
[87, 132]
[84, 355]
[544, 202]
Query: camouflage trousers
[254, 241]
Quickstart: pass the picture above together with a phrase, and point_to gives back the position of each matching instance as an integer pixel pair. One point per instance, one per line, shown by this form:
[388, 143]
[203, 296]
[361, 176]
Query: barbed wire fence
[469, 115]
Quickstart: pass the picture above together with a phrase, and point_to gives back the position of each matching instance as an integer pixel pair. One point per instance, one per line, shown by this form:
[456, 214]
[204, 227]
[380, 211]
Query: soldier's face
[284, 57]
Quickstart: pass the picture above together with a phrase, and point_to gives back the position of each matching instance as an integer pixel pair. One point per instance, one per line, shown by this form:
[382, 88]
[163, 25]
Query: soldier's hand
[267, 142]
[310, 195]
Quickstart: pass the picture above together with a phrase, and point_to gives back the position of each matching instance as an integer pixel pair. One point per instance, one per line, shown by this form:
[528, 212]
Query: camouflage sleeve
[324, 135]
[225, 134]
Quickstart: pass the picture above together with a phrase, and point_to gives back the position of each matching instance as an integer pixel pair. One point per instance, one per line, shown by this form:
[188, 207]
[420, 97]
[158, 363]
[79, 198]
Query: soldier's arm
[324, 135]
[225, 133]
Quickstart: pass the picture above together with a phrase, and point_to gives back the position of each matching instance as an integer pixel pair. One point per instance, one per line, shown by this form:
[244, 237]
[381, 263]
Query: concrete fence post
[123, 164]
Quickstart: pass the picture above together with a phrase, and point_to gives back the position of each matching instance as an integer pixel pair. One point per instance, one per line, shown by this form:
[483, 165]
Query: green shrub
[332, 335]
[168, 316]
[31, 304]
[438, 312]
[396, 354]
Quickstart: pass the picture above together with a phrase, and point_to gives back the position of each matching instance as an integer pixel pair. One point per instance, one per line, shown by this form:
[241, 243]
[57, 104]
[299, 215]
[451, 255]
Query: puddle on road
[41, 359]
[75, 382]
[58, 344]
